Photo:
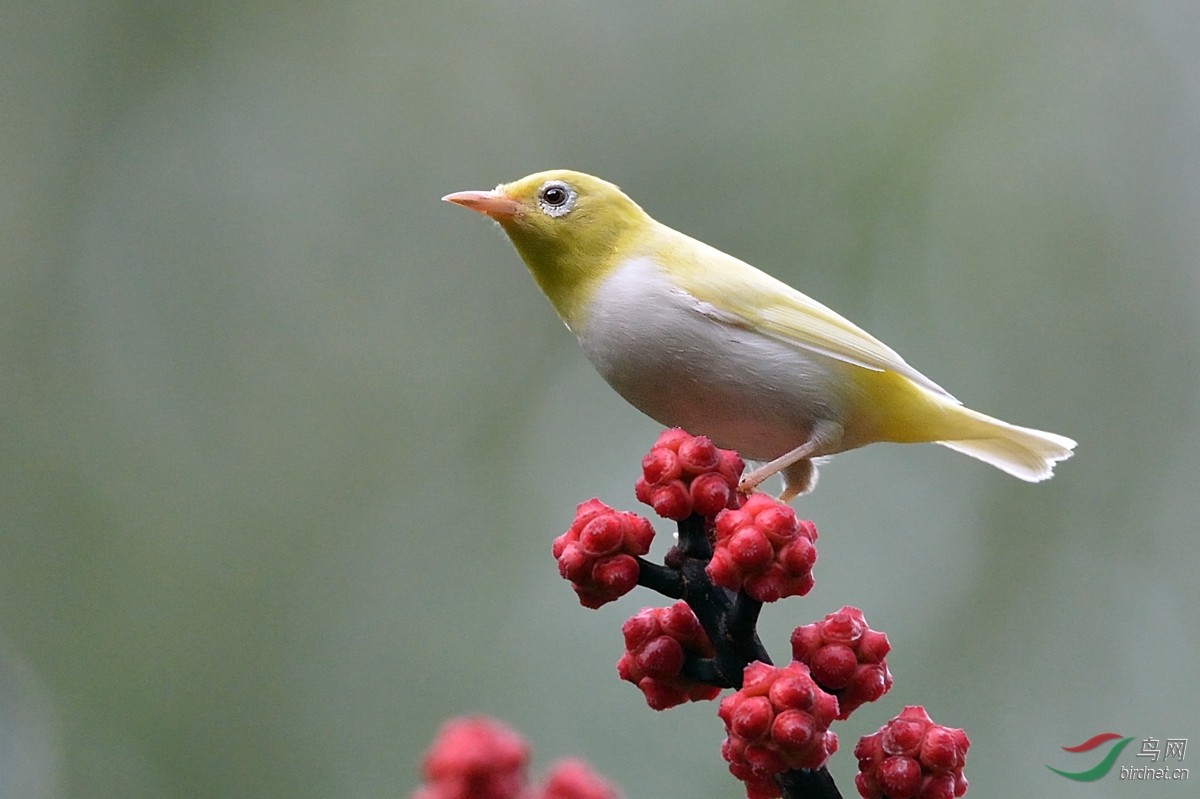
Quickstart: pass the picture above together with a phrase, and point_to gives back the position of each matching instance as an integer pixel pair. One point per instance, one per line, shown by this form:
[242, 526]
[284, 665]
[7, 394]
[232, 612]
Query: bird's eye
[556, 198]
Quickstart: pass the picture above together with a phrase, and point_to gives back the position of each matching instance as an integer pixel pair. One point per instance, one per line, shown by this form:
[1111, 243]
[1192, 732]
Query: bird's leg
[824, 439]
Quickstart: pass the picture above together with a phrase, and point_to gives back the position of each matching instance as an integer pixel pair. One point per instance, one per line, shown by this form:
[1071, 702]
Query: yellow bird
[697, 339]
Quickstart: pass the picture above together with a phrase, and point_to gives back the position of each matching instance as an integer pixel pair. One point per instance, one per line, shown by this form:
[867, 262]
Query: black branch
[731, 621]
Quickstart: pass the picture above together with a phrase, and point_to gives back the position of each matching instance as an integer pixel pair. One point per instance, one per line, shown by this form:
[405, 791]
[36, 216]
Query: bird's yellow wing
[743, 295]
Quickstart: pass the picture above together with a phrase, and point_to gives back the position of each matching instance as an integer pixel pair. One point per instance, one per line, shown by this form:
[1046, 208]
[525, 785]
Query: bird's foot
[799, 473]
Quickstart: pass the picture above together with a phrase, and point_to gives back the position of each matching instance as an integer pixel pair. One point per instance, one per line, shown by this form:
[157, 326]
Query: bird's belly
[684, 368]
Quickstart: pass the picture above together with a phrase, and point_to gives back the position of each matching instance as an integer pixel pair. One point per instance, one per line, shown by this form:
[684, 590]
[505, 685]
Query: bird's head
[571, 229]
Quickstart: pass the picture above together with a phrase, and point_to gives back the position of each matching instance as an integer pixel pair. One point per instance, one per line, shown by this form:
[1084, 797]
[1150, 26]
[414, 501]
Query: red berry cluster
[764, 550]
[597, 553]
[779, 720]
[732, 549]
[571, 778]
[685, 474]
[910, 757]
[658, 641]
[475, 757]
[846, 658]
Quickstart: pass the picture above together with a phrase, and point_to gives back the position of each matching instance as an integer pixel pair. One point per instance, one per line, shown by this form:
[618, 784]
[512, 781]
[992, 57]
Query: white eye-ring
[556, 198]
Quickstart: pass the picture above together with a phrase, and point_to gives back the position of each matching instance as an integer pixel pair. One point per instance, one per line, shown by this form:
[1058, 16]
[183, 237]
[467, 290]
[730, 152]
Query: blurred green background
[284, 440]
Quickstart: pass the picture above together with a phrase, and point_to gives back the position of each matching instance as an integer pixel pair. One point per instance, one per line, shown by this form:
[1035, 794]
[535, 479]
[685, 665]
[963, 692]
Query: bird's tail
[1021, 451]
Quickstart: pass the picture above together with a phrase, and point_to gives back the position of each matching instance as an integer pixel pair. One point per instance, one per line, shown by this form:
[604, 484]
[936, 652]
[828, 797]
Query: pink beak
[490, 203]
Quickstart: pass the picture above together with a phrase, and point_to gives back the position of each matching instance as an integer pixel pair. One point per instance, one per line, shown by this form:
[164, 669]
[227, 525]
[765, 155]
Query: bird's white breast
[686, 363]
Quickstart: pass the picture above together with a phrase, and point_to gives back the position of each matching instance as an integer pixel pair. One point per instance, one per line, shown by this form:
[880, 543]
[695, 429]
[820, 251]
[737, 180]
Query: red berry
[698, 455]
[900, 777]
[661, 658]
[591, 598]
[602, 535]
[903, 737]
[574, 564]
[672, 438]
[756, 503]
[867, 786]
[870, 681]
[730, 521]
[793, 729]
[834, 666]
[939, 751]
[683, 474]
[764, 759]
[575, 779]
[643, 489]
[846, 657]
[910, 756]
[616, 575]
[806, 641]
[679, 622]
[873, 647]
[475, 758]
[801, 585]
[751, 718]
[731, 465]
[711, 494]
[779, 720]
[938, 786]
[762, 788]
[662, 694]
[757, 679]
[750, 549]
[596, 554]
[661, 465]
[722, 571]
[658, 642]
[794, 692]
[760, 548]
[778, 523]
[845, 626]
[639, 534]
[770, 586]
[671, 500]
[586, 511]
[799, 556]
[639, 629]
[825, 707]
